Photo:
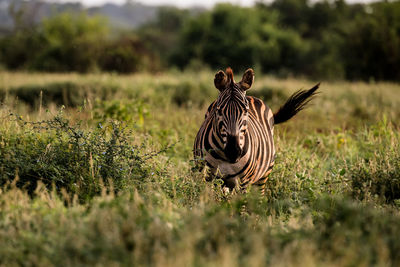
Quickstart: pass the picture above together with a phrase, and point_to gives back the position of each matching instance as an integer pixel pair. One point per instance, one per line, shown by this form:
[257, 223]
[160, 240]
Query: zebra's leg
[231, 184]
[263, 181]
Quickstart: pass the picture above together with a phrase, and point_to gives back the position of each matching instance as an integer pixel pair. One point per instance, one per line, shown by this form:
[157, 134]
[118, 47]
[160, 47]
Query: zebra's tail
[294, 104]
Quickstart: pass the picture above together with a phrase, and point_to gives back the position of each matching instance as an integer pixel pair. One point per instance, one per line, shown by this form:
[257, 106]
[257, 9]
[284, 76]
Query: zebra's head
[231, 112]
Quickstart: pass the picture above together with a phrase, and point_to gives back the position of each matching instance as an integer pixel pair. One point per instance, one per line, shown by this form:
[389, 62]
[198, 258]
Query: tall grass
[109, 180]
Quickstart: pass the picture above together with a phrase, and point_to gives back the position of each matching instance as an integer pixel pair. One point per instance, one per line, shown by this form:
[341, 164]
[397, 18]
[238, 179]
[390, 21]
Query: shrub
[188, 94]
[69, 94]
[17, 50]
[376, 176]
[380, 181]
[124, 55]
[72, 42]
[226, 36]
[58, 153]
[282, 51]
[133, 111]
[270, 95]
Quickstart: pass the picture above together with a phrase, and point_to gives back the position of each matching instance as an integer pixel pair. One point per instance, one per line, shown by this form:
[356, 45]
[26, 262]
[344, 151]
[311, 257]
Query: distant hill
[126, 16]
[129, 15]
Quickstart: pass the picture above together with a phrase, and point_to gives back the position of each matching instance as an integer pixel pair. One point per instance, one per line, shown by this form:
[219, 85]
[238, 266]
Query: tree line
[328, 39]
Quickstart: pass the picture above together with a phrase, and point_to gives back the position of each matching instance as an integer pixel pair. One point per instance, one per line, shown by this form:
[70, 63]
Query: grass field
[97, 170]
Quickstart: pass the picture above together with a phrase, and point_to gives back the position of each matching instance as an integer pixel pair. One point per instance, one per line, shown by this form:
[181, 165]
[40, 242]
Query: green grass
[107, 179]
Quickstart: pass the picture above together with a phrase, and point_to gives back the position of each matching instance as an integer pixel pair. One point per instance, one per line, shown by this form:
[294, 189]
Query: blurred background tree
[71, 42]
[327, 39]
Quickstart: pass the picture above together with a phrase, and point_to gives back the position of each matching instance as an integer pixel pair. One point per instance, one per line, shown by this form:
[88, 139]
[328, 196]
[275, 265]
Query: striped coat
[235, 140]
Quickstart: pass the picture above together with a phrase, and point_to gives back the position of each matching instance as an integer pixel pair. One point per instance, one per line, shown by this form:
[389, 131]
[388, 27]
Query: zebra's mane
[233, 94]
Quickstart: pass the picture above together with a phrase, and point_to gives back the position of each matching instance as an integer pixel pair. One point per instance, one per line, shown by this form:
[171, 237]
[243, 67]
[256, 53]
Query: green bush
[190, 94]
[19, 50]
[376, 176]
[372, 43]
[65, 42]
[133, 111]
[270, 95]
[69, 94]
[62, 155]
[380, 181]
[123, 55]
[282, 52]
[226, 36]
[72, 42]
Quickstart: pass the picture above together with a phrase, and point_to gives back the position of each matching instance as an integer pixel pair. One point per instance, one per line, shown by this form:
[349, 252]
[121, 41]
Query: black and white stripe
[236, 137]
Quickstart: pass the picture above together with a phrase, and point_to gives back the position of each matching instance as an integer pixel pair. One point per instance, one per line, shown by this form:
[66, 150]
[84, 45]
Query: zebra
[235, 141]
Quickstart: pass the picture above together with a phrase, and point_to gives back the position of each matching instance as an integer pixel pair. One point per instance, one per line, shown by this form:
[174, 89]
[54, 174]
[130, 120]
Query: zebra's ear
[247, 80]
[220, 80]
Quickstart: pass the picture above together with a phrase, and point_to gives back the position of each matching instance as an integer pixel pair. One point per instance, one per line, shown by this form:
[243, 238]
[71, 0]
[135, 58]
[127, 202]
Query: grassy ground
[97, 170]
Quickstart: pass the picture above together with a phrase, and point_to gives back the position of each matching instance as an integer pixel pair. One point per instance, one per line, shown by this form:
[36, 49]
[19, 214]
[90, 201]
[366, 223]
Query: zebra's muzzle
[232, 149]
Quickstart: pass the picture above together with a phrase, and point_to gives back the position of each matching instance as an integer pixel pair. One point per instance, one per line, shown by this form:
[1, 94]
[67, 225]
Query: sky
[180, 3]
